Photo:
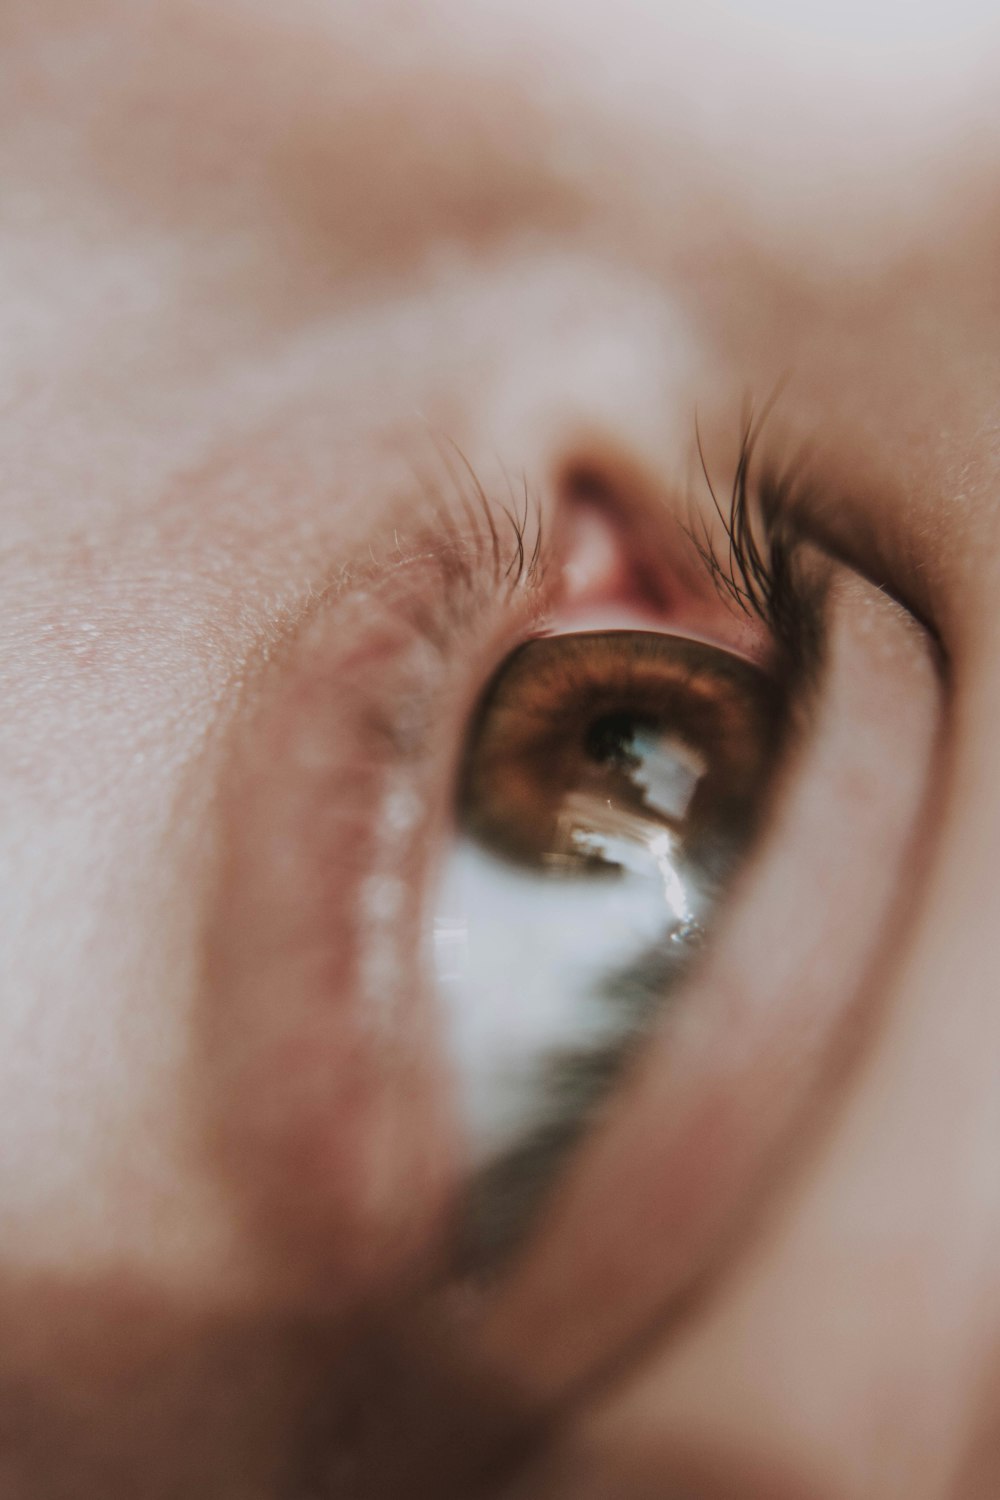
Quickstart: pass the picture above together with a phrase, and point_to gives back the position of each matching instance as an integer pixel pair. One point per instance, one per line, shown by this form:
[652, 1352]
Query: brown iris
[586, 745]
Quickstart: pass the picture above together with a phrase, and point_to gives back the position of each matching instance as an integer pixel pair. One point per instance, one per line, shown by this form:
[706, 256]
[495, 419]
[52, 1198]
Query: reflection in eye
[611, 783]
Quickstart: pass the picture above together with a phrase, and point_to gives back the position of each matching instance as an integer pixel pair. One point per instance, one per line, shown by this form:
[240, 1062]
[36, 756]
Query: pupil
[610, 741]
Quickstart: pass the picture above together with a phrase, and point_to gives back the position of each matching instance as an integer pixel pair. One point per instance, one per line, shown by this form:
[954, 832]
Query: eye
[611, 783]
[621, 751]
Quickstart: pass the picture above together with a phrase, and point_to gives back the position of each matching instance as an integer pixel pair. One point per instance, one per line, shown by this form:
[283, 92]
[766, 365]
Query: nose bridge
[856, 1339]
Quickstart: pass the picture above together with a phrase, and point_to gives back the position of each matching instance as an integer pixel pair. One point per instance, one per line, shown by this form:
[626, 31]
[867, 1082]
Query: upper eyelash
[756, 570]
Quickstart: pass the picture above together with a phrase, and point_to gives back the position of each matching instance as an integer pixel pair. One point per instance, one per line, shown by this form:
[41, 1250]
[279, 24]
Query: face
[492, 497]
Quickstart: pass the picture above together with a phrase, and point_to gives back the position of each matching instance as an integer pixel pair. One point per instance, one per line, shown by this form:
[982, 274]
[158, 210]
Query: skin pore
[269, 277]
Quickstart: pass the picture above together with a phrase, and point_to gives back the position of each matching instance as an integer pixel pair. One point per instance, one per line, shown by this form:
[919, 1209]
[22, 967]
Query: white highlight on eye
[523, 963]
[529, 961]
[667, 774]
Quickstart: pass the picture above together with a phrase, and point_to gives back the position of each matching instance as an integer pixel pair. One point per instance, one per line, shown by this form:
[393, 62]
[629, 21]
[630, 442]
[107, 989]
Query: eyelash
[758, 569]
[525, 565]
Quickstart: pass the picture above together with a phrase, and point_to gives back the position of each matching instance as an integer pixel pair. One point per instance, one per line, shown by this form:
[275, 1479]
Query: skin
[258, 263]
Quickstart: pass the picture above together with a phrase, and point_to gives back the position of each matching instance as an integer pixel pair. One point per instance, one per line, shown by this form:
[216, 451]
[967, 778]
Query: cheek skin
[106, 699]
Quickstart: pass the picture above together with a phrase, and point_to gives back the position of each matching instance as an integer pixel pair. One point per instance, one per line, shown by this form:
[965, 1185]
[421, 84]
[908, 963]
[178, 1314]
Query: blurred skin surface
[250, 257]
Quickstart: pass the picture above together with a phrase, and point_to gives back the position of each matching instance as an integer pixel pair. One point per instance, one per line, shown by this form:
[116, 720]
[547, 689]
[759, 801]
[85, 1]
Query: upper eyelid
[465, 520]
